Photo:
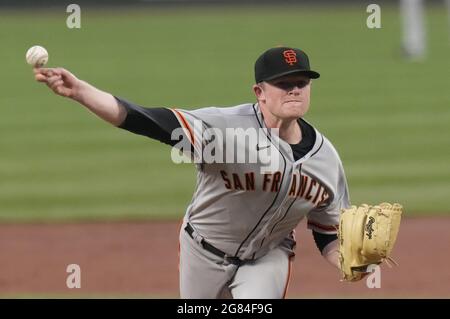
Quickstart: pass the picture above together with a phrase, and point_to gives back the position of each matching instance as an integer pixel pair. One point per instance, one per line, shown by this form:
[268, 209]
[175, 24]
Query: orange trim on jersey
[179, 248]
[288, 276]
[323, 227]
[185, 125]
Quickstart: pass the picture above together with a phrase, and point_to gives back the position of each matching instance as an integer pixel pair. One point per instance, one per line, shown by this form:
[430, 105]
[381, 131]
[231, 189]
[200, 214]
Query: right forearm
[331, 253]
[101, 103]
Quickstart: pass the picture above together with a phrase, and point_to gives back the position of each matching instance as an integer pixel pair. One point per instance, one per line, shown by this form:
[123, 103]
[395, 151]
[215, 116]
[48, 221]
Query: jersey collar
[284, 146]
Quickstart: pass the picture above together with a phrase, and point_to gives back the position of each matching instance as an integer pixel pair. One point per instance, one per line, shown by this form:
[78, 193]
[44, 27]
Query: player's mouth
[293, 101]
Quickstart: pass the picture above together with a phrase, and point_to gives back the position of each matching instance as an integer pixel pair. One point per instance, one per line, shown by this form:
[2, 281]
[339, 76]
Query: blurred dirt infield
[141, 259]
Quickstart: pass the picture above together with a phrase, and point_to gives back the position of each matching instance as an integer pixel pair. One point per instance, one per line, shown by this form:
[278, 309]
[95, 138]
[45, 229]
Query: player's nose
[295, 90]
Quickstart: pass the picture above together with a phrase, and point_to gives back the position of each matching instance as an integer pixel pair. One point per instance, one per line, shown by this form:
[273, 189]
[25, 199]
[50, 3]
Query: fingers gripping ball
[37, 56]
[367, 235]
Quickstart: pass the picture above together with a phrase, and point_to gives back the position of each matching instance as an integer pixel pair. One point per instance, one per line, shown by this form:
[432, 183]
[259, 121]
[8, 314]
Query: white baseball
[37, 56]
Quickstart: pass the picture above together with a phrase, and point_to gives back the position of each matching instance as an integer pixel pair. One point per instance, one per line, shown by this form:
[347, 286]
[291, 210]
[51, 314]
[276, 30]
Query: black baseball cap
[280, 61]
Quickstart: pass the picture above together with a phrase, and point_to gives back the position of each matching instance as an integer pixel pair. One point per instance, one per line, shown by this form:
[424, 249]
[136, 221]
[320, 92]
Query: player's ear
[259, 92]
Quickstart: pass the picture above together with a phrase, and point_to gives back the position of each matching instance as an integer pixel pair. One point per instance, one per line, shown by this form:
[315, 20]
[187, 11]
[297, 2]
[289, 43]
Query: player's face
[286, 97]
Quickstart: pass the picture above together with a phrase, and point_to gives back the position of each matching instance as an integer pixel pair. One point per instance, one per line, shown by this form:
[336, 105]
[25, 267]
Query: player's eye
[287, 85]
[302, 84]
[283, 85]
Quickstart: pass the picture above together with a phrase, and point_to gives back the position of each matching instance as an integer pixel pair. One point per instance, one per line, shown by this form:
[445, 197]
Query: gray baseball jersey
[237, 234]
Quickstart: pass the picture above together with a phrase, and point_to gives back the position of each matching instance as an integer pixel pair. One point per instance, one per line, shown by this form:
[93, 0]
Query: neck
[289, 130]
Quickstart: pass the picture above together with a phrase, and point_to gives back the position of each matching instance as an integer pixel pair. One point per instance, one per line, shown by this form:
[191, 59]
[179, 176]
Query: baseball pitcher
[237, 237]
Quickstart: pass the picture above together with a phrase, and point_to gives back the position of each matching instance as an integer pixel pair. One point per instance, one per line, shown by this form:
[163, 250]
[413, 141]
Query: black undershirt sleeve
[323, 239]
[156, 123]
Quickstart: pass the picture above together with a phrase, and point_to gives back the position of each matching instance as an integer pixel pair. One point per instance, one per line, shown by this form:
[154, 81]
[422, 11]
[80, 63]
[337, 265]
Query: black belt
[207, 246]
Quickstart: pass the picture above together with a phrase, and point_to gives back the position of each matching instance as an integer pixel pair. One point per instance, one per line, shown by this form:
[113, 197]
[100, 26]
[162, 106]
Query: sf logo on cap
[290, 57]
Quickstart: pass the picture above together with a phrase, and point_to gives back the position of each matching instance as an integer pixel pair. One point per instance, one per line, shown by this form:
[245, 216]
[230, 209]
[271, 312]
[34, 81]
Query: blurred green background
[389, 118]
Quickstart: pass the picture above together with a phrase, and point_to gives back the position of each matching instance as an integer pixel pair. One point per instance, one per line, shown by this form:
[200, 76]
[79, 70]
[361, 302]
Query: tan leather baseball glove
[366, 235]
